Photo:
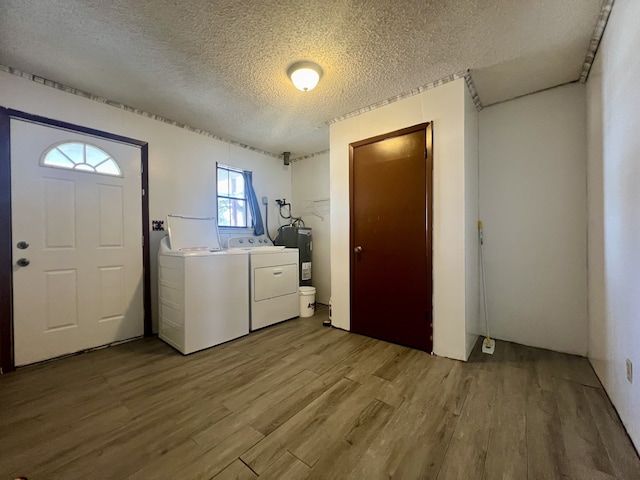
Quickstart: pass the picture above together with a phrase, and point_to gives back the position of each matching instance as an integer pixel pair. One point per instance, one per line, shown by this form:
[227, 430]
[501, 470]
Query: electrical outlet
[265, 201]
[629, 371]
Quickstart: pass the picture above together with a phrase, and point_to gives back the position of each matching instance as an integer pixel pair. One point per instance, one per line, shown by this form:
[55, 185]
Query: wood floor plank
[581, 472]
[413, 442]
[384, 390]
[625, 463]
[161, 388]
[568, 367]
[507, 448]
[445, 380]
[340, 351]
[217, 386]
[287, 466]
[25, 452]
[365, 361]
[280, 373]
[275, 408]
[271, 397]
[194, 415]
[170, 460]
[236, 471]
[299, 428]
[412, 376]
[167, 361]
[70, 403]
[339, 456]
[385, 451]
[546, 455]
[580, 370]
[424, 456]
[545, 368]
[471, 437]
[122, 454]
[395, 362]
[320, 430]
[300, 400]
[216, 433]
[552, 365]
[215, 460]
[582, 440]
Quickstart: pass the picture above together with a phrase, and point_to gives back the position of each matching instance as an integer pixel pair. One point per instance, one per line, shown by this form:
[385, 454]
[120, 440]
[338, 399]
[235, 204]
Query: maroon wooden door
[391, 267]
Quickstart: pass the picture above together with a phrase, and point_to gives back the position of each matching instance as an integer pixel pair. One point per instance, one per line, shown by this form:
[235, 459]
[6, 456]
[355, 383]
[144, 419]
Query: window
[232, 198]
[81, 156]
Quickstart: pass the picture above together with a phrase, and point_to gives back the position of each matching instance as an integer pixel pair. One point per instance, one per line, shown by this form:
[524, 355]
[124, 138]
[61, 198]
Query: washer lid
[193, 233]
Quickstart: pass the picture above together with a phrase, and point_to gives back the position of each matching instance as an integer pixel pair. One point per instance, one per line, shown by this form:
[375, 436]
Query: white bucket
[307, 301]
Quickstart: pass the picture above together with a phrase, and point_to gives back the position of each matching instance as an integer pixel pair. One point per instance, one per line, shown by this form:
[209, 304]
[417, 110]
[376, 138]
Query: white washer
[203, 291]
[273, 275]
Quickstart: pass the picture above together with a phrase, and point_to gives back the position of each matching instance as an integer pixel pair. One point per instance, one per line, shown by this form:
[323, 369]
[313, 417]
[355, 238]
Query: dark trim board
[7, 363]
[72, 127]
[6, 265]
[146, 246]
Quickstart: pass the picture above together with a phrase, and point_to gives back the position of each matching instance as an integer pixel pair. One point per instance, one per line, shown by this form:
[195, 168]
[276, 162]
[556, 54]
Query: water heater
[300, 238]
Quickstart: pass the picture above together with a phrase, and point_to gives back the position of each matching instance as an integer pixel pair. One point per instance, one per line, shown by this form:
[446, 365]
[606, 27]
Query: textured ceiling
[220, 65]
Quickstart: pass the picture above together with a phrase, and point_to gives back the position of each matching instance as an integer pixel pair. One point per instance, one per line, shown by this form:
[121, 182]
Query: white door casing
[83, 286]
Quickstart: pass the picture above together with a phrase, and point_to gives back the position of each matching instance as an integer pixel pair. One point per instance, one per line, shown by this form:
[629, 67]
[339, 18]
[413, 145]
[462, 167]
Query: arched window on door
[81, 156]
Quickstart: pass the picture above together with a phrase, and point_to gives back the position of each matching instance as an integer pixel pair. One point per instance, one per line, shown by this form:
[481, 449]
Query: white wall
[444, 106]
[471, 212]
[181, 163]
[533, 208]
[310, 199]
[614, 202]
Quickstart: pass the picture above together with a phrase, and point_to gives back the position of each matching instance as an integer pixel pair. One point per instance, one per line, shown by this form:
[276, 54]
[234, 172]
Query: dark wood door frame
[428, 128]
[7, 363]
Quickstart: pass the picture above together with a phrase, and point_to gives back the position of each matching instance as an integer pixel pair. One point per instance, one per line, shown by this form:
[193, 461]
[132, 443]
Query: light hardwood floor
[299, 401]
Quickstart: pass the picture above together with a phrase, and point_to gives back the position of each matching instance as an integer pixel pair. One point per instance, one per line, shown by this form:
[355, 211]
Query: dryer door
[275, 281]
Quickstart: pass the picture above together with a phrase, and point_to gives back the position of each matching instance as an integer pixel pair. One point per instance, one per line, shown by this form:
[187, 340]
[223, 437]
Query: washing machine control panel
[249, 242]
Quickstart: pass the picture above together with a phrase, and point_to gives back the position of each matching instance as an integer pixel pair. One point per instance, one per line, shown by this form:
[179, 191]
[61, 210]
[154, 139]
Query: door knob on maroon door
[358, 249]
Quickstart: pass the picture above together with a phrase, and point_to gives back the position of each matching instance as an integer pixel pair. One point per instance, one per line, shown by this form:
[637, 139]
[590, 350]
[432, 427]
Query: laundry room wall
[614, 224]
[182, 176]
[534, 210]
[445, 106]
[310, 199]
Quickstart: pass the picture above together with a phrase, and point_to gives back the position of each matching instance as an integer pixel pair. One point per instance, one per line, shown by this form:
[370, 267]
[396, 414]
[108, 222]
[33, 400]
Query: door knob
[23, 262]
[22, 245]
[358, 249]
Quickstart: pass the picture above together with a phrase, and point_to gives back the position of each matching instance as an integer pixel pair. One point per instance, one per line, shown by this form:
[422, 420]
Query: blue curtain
[254, 205]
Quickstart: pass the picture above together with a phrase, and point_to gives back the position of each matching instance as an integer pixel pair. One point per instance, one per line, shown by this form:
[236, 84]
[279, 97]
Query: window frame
[248, 217]
[91, 170]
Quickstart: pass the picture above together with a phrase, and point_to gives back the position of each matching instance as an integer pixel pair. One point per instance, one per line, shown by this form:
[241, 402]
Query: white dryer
[273, 276]
[203, 291]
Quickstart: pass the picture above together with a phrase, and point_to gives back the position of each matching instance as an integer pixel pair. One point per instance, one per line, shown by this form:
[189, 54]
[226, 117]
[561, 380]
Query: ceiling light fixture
[305, 75]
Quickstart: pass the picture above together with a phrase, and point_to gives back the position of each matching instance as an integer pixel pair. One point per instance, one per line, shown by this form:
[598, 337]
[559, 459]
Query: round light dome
[305, 75]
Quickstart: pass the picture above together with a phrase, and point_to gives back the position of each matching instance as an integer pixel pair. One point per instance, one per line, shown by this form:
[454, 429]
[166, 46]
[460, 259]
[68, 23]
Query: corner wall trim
[598, 32]
[311, 155]
[472, 90]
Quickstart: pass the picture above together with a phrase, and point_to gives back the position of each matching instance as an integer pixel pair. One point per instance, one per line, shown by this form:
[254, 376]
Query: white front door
[77, 242]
